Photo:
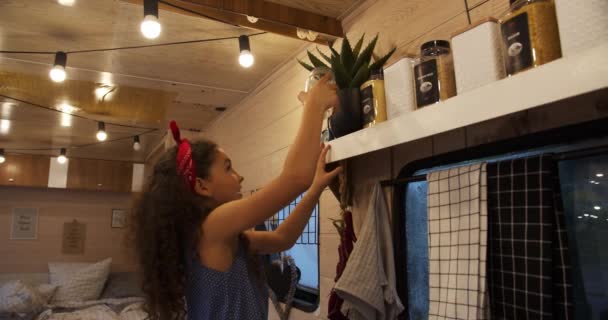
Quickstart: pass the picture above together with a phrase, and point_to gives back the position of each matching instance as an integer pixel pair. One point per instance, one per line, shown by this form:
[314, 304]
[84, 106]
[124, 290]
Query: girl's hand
[323, 178]
[322, 95]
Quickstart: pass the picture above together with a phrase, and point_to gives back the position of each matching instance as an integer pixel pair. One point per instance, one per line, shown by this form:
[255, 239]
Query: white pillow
[19, 297]
[80, 284]
[65, 270]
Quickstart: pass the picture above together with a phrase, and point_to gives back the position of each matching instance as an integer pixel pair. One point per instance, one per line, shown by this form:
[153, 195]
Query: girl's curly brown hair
[166, 222]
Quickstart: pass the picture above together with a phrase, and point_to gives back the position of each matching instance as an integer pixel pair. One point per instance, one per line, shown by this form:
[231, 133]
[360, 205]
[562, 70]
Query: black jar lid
[435, 44]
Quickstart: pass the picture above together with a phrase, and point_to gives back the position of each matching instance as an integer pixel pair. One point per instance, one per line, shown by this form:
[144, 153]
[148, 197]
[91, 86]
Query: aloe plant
[351, 66]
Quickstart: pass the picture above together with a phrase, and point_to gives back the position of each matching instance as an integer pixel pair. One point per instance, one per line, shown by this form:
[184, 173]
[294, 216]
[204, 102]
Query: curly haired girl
[193, 230]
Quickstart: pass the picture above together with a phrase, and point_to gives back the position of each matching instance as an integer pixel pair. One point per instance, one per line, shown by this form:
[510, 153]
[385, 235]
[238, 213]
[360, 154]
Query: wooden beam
[274, 18]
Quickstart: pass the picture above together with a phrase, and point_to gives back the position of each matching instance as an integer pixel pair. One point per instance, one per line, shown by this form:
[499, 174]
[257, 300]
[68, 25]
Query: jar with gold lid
[530, 35]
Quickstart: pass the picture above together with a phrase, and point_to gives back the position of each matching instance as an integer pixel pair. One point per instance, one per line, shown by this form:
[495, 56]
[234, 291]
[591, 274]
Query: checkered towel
[457, 243]
[528, 264]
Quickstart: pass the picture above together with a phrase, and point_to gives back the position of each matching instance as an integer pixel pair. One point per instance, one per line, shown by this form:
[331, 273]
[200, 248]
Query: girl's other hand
[323, 178]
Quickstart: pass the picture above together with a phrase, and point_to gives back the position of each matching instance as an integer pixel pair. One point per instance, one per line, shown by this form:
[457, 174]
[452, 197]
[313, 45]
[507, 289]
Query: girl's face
[224, 183]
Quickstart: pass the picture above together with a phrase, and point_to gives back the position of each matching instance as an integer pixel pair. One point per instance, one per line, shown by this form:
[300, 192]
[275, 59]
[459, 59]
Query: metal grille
[309, 235]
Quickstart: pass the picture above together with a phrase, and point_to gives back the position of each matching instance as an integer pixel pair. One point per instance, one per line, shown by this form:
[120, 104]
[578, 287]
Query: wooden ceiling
[149, 86]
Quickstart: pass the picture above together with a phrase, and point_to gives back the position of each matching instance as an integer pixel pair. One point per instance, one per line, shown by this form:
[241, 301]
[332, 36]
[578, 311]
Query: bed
[71, 291]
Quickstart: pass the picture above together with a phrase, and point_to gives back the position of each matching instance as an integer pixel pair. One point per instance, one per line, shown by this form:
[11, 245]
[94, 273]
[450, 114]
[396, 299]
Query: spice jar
[434, 74]
[373, 99]
[530, 35]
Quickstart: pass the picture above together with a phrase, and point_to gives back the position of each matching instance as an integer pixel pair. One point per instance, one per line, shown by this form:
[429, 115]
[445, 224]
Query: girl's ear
[203, 188]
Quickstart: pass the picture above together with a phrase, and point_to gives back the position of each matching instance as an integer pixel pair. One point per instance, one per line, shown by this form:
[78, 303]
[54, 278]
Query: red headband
[185, 165]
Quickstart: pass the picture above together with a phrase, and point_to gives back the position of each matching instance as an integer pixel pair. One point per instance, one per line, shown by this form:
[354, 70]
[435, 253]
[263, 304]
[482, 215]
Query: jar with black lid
[530, 35]
[434, 73]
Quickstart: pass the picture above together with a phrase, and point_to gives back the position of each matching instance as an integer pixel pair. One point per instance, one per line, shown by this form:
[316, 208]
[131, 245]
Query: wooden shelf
[561, 79]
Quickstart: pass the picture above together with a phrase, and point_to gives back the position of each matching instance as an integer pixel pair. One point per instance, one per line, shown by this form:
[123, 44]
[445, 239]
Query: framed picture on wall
[25, 224]
[119, 218]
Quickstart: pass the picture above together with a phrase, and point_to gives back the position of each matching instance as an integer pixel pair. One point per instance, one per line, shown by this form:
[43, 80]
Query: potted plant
[351, 68]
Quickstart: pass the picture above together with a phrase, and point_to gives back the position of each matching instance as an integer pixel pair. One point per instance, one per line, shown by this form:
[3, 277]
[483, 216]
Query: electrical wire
[33, 104]
[132, 47]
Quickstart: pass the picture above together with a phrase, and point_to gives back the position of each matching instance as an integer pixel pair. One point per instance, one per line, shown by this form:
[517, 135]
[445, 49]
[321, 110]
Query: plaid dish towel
[529, 275]
[457, 225]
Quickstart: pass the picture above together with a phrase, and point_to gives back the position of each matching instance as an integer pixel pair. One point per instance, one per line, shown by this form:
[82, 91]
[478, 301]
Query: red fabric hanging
[347, 240]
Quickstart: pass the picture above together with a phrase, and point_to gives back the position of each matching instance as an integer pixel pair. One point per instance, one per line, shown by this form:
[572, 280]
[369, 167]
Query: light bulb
[62, 158]
[101, 132]
[68, 3]
[57, 74]
[136, 144]
[102, 135]
[246, 59]
[2, 158]
[150, 27]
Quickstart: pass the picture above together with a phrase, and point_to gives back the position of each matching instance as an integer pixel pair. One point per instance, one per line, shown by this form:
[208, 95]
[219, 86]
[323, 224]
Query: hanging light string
[131, 47]
[33, 104]
[130, 137]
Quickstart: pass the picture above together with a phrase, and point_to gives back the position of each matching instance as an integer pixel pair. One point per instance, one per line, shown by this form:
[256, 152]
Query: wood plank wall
[56, 207]
[258, 132]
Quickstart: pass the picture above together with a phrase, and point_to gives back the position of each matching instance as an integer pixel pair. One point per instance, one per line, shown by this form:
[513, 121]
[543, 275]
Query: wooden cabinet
[100, 175]
[82, 174]
[25, 171]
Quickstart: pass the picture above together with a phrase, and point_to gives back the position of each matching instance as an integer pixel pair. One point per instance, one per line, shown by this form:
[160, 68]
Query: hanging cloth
[529, 268]
[346, 230]
[457, 222]
[368, 284]
[347, 240]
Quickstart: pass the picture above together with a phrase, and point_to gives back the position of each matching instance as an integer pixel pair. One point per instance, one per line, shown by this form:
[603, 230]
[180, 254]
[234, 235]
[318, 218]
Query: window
[584, 189]
[305, 253]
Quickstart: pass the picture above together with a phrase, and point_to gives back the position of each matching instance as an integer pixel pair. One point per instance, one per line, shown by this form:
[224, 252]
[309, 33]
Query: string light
[57, 74]
[2, 158]
[136, 144]
[101, 132]
[246, 58]
[150, 27]
[62, 156]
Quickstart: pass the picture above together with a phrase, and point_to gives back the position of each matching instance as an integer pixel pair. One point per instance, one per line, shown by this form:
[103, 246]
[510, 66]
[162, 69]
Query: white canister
[477, 55]
[581, 23]
[399, 87]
